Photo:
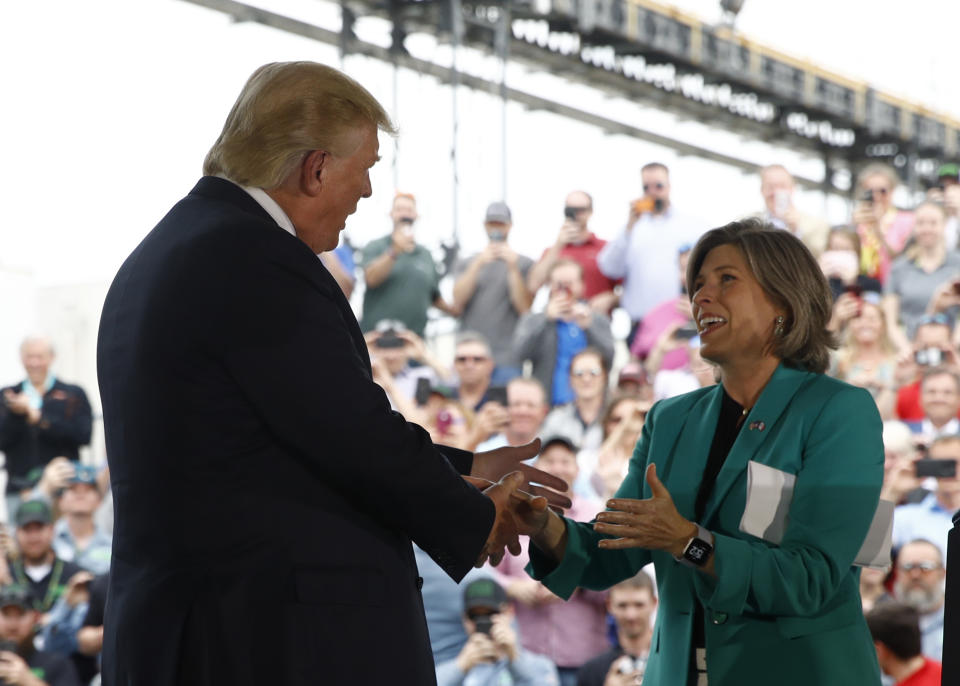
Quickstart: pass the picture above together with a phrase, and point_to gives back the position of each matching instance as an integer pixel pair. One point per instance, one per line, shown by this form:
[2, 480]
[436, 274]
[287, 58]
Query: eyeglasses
[924, 566]
[616, 420]
[938, 318]
[476, 359]
[594, 371]
[647, 186]
[881, 190]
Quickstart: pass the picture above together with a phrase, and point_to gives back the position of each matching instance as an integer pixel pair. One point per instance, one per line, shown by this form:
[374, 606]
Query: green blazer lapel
[768, 410]
[689, 454]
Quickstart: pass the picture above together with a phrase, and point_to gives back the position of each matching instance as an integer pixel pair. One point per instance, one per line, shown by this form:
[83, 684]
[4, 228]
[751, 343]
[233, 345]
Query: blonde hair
[791, 278]
[846, 355]
[879, 169]
[286, 110]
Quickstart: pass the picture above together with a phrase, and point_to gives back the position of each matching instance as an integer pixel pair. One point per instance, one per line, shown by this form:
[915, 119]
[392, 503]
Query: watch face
[698, 551]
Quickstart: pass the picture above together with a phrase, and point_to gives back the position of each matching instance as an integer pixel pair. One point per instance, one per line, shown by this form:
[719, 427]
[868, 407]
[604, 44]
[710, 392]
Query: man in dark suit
[40, 418]
[257, 539]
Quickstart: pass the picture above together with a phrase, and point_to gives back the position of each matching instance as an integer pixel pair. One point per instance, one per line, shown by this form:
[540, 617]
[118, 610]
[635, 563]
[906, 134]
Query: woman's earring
[778, 328]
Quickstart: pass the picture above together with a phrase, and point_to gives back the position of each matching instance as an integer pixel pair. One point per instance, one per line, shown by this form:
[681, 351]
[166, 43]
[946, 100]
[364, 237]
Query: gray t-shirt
[490, 311]
[915, 287]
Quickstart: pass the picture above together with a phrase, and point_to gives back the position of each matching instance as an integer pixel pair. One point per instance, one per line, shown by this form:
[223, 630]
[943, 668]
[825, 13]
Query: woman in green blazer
[760, 589]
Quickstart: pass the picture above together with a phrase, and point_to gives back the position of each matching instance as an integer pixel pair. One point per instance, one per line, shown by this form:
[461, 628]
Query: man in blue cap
[76, 536]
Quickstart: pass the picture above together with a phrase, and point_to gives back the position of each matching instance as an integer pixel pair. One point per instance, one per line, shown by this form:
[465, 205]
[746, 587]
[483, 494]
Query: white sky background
[110, 105]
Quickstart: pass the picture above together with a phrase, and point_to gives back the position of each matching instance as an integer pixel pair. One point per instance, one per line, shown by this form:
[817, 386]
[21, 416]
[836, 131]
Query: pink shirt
[651, 328]
[569, 633]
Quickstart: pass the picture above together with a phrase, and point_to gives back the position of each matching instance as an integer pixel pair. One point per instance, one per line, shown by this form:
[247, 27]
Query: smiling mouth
[710, 324]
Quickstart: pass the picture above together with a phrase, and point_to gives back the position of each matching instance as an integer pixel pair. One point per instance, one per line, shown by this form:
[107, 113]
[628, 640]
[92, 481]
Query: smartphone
[484, 624]
[928, 357]
[570, 213]
[497, 394]
[685, 333]
[422, 394]
[936, 468]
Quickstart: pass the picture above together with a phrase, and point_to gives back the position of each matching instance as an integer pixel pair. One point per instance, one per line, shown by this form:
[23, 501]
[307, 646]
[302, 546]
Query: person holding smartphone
[777, 188]
[884, 230]
[21, 664]
[492, 654]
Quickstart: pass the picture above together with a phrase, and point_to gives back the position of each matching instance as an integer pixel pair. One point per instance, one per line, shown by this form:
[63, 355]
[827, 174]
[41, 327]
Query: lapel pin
[759, 426]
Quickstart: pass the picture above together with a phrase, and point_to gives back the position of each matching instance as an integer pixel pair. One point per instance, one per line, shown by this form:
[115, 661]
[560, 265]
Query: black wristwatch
[698, 550]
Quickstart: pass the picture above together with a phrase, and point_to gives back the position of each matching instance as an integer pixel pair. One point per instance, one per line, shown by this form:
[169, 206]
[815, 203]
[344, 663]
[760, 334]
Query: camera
[8, 646]
[570, 213]
[497, 236]
[936, 468]
[868, 196]
[928, 357]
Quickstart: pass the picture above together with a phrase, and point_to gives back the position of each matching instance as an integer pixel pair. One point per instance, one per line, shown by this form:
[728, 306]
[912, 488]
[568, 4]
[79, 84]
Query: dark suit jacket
[265, 494]
[65, 424]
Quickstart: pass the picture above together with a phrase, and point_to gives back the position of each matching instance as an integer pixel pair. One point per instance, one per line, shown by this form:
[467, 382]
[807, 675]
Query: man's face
[16, 624]
[566, 278]
[559, 461]
[80, 498]
[920, 577]
[344, 180]
[656, 184]
[932, 336]
[940, 398]
[631, 609]
[880, 188]
[584, 207]
[527, 408]
[404, 208]
[497, 232]
[473, 363]
[776, 183]
[34, 539]
[37, 356]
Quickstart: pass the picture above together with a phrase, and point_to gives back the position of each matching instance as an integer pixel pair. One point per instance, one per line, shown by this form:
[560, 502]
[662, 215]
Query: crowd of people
[520, 371]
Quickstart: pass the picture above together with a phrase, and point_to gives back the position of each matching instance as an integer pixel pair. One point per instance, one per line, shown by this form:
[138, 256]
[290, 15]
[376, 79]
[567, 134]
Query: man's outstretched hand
[492, 465]
[515, 511]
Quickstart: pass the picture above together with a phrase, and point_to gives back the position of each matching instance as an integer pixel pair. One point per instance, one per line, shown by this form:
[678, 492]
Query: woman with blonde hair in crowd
[868, 357]
[884, 230]
[622, 422]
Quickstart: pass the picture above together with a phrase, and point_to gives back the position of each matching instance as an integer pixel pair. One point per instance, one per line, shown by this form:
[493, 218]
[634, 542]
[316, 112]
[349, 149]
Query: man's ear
[313, 171]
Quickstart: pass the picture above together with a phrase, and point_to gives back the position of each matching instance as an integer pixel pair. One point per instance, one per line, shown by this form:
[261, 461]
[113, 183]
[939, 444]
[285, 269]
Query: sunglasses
[476, 359]
[925, 566]
[585, 372]
[616, 420]
[879, 191]
[647, 186]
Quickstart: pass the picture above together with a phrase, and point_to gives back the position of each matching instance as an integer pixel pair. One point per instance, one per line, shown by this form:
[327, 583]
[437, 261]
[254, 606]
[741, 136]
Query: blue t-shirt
[571, 339]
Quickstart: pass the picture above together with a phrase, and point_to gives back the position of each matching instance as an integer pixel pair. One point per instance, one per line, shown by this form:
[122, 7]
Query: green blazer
[785, 614]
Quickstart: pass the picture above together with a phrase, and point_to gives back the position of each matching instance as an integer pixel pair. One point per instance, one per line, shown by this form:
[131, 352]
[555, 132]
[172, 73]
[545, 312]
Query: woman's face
[928, 227]
[842, 242]
[587, 378]
[631, 412]
[881, 189]
[733, 313]
[868, 327]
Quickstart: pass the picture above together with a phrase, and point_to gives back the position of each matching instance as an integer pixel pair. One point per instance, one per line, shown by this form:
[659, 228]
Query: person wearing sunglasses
[644, 254]
[884, 230]
[579, 420]
[920, 584]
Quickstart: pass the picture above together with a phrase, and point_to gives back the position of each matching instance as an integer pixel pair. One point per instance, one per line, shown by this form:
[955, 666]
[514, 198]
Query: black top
[52, 669]
[728, 428]
[594, 671]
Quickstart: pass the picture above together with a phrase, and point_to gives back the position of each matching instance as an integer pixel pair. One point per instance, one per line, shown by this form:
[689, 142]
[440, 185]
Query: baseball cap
[485, 593]
[498, 212]
[33, 511]
[558, 439]
[84, 474]
[632, 371]
[15, 595]
[950, 170]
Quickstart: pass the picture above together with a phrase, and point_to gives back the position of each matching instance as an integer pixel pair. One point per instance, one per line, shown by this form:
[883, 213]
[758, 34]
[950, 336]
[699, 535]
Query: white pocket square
[767, 512]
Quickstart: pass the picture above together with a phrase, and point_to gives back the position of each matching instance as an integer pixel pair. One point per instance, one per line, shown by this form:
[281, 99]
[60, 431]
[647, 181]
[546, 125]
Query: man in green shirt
[401, 276]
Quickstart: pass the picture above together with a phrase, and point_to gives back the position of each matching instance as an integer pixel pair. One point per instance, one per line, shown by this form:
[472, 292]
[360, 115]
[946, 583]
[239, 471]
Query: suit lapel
[690, 452]
[781, 388]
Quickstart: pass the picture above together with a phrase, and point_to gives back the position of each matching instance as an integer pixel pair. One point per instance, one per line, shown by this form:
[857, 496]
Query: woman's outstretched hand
[651, 523]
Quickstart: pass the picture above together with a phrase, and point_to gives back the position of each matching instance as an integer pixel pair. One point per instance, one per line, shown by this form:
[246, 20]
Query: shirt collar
[33, 397]
[269, 205]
